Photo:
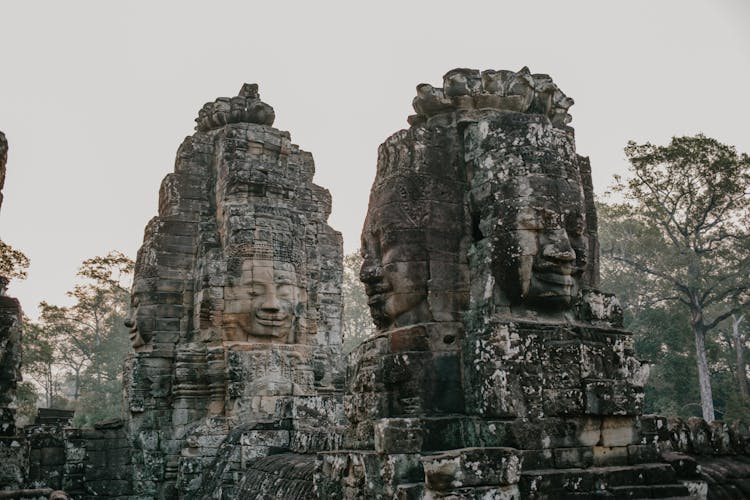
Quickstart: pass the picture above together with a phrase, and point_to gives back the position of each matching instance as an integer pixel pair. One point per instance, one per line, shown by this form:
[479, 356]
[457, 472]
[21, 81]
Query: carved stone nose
[271, 303]
[129, 323]
[558, 248]
[552, 252]
[370, 273]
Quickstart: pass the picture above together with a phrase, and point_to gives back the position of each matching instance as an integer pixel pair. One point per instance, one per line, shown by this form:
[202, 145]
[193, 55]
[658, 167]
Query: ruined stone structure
[499, 370]
[12, 454]
[236, 308]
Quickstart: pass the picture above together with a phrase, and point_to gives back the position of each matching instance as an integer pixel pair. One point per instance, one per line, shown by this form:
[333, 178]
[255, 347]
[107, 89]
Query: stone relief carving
[413, 241]
[466, 89]
[530, 206]
[395, 284]
[266, 302]
[140, 319]
[246, 107]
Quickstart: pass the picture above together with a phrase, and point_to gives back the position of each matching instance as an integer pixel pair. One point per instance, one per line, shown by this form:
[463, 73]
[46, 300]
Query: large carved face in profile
[265, 302]
[394, 273]
[540, 249]
[394, 270]
[140, 319]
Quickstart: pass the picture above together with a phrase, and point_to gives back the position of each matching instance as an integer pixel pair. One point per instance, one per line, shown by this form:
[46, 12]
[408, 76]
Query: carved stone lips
[271, 319]
[375, 299]
[556, 278]
[376, 292]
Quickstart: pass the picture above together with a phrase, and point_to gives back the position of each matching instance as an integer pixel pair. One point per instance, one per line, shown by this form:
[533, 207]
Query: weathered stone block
[643, 453]
[444, 433]
[408, 339]
[610, 397]
[398, 435]
[562, 402]
[52, 455]
[108, 487]
[537, 459]
[566, 458]
[685, 466]
[619, 431]
[471, 467]
[610, 455]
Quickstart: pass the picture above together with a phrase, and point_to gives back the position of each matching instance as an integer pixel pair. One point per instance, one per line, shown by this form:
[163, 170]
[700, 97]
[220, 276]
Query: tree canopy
[683, 229]
[75, 353]
[357, 323]
[13, 264]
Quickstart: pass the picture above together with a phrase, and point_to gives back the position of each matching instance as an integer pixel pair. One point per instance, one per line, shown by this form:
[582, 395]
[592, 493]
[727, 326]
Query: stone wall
[84, 462]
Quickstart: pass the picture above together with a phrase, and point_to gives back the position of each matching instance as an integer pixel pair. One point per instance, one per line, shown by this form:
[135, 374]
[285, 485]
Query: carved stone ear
[299, 310]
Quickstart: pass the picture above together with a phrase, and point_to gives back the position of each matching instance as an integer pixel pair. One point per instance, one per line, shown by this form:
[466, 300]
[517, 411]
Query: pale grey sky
[96, 96]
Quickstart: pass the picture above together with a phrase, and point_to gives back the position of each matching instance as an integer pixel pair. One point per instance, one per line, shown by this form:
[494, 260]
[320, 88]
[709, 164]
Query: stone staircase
[653, 480]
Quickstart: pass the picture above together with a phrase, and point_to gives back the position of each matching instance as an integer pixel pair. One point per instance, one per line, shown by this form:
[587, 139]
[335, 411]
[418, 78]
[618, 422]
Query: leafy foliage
[357, 323]
[13, 263]
[79, 350]
[681, 240]
[41, 359]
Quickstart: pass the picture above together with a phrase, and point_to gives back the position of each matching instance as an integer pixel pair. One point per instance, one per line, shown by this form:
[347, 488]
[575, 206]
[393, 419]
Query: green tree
[357, 323]
[662, 331]
[91, 341]
[40, 360]
[27, 399]
[690, 200]
[13, 265]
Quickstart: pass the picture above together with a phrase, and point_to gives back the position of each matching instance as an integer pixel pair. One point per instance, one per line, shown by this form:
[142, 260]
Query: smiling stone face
[541, 255]
[530, 207]
[264, 303]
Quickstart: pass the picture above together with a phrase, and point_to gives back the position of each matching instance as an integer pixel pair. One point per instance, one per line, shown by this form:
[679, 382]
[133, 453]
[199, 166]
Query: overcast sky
[96, 96]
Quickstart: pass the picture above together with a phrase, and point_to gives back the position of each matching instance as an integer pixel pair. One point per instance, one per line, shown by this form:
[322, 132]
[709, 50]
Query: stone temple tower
[498, 370]
[236, 305]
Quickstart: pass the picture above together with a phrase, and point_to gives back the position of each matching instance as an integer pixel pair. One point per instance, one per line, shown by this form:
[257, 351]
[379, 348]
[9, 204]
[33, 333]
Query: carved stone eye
[575, 223]
[284, 291]
[549, 220]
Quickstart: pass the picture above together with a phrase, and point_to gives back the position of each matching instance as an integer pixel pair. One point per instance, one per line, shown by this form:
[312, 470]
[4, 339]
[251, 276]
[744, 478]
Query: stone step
[409, 491]
[608, 482]
[650, 491]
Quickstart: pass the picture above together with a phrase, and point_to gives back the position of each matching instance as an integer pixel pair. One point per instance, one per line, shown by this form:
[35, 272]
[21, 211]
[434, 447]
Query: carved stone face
[541, 254]
[264, 302]
[140, 322]
[395, 282]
